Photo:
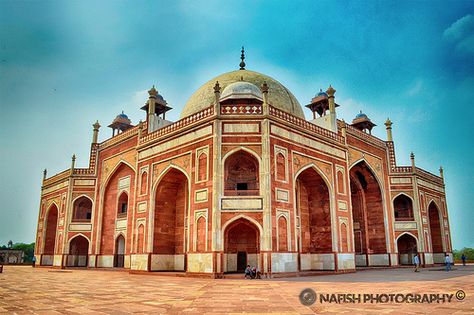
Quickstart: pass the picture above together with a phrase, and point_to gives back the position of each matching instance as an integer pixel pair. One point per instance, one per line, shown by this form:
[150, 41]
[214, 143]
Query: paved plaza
[25, 290]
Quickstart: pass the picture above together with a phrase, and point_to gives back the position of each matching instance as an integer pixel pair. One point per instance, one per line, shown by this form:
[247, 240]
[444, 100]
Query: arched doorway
[169, 239]
[50, 236]
[78, 252]
[241, 246]
[407, 248]
[314, 210]
[367, 213]
[119, 257]
[435, 231]
[403, 208]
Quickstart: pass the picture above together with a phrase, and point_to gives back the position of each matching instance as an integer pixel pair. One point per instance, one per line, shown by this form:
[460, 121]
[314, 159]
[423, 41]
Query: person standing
[33, 261]
[447, 260]
[416, 262]
[463, 258]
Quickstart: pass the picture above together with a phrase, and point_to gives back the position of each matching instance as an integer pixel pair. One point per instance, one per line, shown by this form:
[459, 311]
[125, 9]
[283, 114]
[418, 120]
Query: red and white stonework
[242, 178]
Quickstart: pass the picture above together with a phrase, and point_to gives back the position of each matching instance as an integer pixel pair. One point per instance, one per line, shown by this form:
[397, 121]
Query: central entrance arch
[241, 245]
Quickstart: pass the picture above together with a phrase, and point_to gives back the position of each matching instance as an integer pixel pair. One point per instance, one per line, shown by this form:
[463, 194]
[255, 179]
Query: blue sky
[65, 64]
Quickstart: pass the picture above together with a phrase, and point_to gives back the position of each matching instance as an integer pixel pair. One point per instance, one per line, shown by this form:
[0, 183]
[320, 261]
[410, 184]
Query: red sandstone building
[242, 178]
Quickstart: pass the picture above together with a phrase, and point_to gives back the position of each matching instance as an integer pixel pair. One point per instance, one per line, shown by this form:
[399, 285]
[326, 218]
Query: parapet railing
[120, 137]
[92, 162]
[402, 169]
[427, 175]
[178, 125]
[241, 109]
[58, 177]
[364, 136]
[419, 172]
[304, 124]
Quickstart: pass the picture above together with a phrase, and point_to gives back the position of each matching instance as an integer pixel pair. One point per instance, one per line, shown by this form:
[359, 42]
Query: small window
[123, 203]
[124, 208]
[242, 186]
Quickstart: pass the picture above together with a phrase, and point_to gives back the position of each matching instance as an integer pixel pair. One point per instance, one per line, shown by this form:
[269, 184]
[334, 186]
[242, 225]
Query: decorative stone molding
[405, 225]
[200, 195]
[242, 203]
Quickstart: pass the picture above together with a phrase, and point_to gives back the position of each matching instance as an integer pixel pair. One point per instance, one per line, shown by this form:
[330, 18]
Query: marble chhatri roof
[278, 95]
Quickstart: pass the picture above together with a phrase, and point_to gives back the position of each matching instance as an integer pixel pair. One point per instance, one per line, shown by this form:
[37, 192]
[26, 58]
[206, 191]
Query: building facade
[242, 178]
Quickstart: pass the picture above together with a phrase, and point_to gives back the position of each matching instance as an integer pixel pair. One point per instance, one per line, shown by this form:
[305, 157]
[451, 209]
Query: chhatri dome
[278, 95]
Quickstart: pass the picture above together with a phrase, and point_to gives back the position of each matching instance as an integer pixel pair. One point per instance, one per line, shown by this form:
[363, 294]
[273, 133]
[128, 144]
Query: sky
[66, 64]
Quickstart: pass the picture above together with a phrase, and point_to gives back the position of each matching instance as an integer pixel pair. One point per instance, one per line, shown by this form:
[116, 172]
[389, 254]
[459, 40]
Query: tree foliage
[28, 249]
[469, 252]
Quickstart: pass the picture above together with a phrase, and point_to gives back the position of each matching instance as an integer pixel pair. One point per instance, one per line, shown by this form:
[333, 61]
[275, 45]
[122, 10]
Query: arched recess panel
[119, 257]
[140, 239]
[51, 229]
[241, 174]
[340, 182]
[171, 201]
[282, 234]
[120, 181]
[435, 228]
[367, 211]
[280, 167]
[344, 240]
[241, 245]
[82, 210]
[403, 208]
[143, 183]
[78, 251]
[407, 248]
[202, 167]
[201, 238]
[313, 206]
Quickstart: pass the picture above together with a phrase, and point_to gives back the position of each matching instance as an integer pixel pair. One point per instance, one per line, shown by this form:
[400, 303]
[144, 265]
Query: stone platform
[27, 290]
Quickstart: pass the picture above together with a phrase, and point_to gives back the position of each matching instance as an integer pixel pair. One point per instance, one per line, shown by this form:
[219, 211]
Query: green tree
[28, 249]
[469, 252]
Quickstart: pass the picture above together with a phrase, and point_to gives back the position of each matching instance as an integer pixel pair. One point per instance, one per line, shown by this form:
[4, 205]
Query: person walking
[416, 262]
[463, 258]
[447, 260]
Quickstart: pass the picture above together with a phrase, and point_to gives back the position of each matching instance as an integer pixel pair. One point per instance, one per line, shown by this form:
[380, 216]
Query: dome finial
[242, 57]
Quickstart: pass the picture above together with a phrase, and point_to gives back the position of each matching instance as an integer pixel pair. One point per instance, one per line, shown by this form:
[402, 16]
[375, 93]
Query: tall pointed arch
[121, 180]
[368, 212]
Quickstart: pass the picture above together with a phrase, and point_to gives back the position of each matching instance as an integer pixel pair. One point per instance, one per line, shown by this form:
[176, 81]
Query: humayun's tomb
[242, 178]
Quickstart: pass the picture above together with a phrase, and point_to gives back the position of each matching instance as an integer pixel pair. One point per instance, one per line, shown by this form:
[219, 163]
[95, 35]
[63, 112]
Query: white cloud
[139, 98]
[461, 33]
[415, 88]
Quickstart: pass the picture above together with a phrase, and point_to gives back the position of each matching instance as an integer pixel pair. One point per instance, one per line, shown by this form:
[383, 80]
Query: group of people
[447, 261]
[252, 273]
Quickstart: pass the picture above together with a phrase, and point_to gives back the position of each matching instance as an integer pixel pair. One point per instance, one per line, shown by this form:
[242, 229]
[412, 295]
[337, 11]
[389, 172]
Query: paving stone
[26, 290]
